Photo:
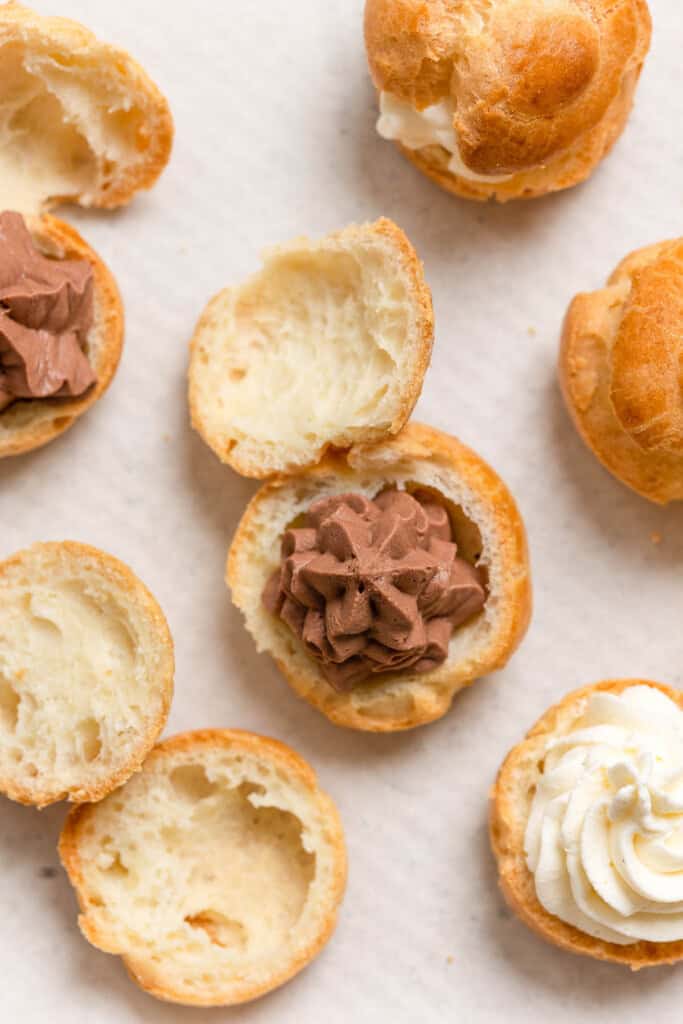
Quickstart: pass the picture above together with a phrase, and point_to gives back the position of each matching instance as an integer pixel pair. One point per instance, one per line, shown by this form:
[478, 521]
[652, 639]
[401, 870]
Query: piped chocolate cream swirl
[46, 311]
[374, 586]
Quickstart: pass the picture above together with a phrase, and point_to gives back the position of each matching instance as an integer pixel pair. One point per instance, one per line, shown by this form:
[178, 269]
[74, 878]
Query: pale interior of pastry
[85, 682]
[79, 120]
[326, 345]
[216, 872]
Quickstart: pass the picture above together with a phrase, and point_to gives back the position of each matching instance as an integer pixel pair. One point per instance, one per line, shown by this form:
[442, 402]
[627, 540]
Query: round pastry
[86, 673]
[216, 872]
[587, 824]
[327, 345]
[82, 121]
[620, 371]
[509, 98]
[385, 579]
[61, 330]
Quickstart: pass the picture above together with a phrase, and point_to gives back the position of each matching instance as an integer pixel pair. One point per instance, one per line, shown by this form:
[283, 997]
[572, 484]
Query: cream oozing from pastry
[433, 126]
[604, 840]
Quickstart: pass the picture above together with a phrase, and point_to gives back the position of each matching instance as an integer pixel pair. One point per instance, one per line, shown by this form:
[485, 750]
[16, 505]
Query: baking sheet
[275, 137]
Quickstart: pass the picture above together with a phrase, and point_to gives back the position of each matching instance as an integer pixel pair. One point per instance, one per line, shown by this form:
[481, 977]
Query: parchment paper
[275, 137]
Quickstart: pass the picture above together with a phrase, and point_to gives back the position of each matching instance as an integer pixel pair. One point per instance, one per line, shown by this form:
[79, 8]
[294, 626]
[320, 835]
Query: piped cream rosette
[587, 823]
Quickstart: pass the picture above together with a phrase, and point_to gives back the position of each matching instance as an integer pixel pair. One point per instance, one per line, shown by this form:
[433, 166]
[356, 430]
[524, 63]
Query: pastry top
[525, 78]
[26, 425]
[86, 675]
[486, 527]
[621, 370]
[586, 823]
[82, 121]
[327, 345]
[647, 346]
[216, 872]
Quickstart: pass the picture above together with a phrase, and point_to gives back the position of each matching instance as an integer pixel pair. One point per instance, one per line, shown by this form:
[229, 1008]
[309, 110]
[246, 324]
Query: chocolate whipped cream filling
[374, 586]
[46, 311]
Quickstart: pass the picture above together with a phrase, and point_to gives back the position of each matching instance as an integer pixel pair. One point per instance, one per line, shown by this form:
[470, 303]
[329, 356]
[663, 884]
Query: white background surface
[275, 137]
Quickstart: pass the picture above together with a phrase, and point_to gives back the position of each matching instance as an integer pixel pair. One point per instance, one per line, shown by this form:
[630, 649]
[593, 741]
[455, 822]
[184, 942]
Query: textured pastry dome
[535, 88]
[647, 358]
[621, 368]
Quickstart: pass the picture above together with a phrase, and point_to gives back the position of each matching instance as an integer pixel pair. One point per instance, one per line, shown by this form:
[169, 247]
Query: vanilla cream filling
[433, 126]
[604, 840]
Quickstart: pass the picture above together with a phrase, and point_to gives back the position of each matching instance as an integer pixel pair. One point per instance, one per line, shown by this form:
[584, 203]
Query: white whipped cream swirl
[433, 126]
[604, 840]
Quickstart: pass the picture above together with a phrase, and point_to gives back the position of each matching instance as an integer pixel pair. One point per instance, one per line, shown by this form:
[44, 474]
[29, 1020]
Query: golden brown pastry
[505, 98]
[483, 526]
[620, 370]
[587, 824]
[216, 872]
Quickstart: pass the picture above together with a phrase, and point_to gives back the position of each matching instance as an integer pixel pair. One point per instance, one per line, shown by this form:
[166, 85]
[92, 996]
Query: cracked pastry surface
[620, 371]
[505, 98]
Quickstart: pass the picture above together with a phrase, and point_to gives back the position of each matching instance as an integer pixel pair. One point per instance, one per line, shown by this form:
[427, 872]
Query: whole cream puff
[509, 98]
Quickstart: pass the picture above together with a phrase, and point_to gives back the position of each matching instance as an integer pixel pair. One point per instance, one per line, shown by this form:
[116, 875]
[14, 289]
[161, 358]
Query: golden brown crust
[410, 47]
[120, 576]
[620, 371]
[539, 93]
[399, 701]
[564, 171]
[155, 133]
[510, 799]
[647, 369]
[263, 747]
[231, 452]
[30, 424]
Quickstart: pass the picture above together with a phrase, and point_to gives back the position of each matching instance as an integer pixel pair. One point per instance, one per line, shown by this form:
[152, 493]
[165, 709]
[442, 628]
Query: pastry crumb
[450, 959]
[656, 538]
[531, 331]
